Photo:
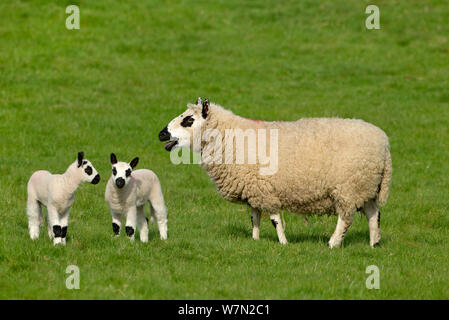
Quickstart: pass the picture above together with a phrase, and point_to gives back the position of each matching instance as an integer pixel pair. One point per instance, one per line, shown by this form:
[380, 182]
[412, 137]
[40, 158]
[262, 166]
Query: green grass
[112, 85]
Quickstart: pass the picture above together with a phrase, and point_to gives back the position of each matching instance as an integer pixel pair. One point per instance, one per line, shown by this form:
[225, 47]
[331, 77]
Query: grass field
[134, 65]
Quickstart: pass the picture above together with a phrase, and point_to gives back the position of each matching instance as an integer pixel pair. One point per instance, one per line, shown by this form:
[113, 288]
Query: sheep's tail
[384, 186]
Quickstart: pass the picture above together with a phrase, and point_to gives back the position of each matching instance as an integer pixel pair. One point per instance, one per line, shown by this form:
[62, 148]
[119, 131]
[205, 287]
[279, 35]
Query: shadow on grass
[353, 237]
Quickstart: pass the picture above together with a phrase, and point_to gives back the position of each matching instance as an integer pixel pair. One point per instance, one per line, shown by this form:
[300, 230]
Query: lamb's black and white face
[180, 131]
[88, 172]
[121, 171]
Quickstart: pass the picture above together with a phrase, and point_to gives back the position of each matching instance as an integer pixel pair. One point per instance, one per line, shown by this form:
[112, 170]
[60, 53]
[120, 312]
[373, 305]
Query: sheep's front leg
[54, 225]
[277, 223]
[255, 220]
[343, 224]
[116, 222]
[142, 224]
[64, 225]
[131, 222]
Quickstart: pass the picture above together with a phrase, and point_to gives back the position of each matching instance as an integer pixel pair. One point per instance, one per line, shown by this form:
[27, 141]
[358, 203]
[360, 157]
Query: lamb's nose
[96, 179]
[120, 182]
[164, 135]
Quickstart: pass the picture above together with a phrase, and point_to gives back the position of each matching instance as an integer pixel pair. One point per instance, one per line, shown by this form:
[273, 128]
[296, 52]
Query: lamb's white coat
[143, 186]
[57, 193]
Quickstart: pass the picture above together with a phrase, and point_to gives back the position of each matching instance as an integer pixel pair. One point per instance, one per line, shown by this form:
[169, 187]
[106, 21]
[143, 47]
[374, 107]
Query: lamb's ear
[198, 101]
[80, 158]
[113, 159]
[205, 110]
[134, 162]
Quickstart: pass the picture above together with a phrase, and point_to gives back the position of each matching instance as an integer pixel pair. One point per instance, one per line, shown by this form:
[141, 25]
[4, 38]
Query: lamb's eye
[128, 172]
[114, 171]
[187, 121]
[88, 170]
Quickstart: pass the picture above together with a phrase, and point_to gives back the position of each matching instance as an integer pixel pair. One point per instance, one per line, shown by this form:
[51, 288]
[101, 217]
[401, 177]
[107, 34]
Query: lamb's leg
[54, 224]
[34, 213]
[64, 225]
[344, 222]
[160, 211]
[277, 223]
[373, 215]
[49, 229]
[142, 224]
[116, 222]
[255, 219]
[152, 216]
[131, 222]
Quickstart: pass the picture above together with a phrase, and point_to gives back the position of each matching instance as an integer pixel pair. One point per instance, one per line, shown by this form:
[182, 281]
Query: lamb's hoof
[34, 237]
[57, 241]
[34, 233]
[375, 245]
[333, 244]
[144, 239]
[283, 242]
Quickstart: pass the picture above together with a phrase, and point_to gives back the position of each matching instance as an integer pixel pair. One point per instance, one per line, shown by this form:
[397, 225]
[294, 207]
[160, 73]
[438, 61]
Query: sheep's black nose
[164, 135]
[120, 182]
[96, 179]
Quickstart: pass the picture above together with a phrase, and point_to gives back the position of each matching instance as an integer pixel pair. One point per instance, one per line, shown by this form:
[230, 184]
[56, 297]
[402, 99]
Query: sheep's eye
[88, 170]
[187, 121]
[114, 171]
[128, 172]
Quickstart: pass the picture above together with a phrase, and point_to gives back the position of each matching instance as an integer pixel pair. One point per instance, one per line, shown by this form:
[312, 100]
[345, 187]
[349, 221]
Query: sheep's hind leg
[34, 212]
[373, 215]
[158, 210]
[343, 224]
[255, 220]
[277, 223]
[142, 224]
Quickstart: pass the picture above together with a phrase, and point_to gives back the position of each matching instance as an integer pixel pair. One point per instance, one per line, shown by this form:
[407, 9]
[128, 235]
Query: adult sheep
[324, 165]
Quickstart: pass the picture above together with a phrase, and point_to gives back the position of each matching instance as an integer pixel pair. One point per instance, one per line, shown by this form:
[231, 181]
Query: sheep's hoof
[375, 245]
[333, 244]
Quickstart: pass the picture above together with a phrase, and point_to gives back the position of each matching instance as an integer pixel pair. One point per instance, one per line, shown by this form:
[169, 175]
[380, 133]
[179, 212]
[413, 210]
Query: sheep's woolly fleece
[326, 165]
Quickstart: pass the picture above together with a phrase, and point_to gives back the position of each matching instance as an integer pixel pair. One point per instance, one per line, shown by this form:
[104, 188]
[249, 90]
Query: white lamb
[57, 193]
[127, 192]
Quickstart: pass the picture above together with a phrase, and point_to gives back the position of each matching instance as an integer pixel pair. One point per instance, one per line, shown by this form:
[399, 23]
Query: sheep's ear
[205, 110]
[80, 158]
[113, 159]
[198, 101]
[134, 162]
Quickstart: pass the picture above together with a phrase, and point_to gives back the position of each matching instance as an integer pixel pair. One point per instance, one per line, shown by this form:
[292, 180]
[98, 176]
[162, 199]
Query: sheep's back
[324, 157]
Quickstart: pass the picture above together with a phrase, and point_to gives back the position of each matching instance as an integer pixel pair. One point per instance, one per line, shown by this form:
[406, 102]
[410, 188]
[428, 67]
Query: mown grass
[133, 66]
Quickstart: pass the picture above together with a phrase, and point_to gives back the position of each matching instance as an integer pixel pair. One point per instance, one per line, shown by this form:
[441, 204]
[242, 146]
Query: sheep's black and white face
[181, 130]
[121, 171]
[88, 172]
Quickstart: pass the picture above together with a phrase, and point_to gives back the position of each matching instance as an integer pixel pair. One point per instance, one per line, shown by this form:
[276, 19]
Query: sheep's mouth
[170, 145]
